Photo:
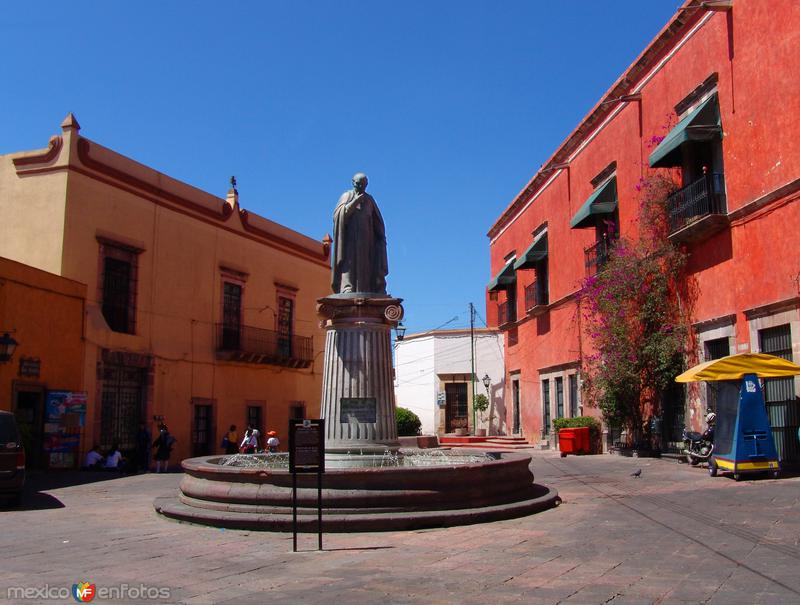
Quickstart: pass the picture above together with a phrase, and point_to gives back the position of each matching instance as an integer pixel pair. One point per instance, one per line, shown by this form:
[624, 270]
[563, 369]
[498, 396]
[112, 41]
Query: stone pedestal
[357, 386]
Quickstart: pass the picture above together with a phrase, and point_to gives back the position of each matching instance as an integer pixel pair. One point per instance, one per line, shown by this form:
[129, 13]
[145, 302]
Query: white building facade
[434, 379]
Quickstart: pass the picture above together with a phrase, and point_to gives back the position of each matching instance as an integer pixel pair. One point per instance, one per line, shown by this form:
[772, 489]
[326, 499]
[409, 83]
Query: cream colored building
[434, 379]
[199, 314]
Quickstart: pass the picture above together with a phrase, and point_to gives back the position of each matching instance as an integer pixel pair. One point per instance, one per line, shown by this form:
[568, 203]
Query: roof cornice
[683, 20]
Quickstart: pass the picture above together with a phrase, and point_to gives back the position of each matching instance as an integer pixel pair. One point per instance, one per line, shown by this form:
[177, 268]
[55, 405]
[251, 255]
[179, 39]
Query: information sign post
[307, 455]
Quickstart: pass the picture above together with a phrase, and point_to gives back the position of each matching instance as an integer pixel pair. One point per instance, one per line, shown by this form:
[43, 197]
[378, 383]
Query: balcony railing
[705, 196]
[506, 313]
[596, 256]
[257, 345]
[536, 296]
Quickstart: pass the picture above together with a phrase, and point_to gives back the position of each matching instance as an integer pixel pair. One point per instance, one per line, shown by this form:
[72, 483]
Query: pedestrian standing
[143, 448]
[230, 442]
[163, 447]
[250, 441]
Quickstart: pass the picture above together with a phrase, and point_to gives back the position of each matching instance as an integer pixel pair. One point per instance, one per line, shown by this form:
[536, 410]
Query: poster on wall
[65, 414]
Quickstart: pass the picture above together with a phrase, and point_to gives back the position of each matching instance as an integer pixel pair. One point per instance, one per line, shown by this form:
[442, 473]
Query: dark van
[12, 459]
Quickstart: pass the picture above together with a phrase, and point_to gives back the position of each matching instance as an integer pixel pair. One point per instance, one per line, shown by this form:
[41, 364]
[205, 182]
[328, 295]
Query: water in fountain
[405, 458]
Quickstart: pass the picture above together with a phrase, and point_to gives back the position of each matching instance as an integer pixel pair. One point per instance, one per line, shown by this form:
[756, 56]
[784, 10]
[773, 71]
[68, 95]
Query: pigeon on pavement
[637, 473]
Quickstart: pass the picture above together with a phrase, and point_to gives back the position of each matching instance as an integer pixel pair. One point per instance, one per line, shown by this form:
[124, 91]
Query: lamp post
[486, 383]
[400, 330]
[7, 347]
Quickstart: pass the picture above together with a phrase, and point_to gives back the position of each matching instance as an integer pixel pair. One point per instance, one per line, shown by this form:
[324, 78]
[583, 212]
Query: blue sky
[449, 107]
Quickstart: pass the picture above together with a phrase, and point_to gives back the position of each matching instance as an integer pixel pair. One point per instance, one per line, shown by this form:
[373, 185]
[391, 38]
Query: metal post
[319, 510]
[294, 512]
[472, 356]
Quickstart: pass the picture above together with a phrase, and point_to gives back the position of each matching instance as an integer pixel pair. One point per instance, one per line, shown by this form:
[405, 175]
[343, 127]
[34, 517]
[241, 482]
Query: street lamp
[400, 330]
[486, 382]
[7, 347]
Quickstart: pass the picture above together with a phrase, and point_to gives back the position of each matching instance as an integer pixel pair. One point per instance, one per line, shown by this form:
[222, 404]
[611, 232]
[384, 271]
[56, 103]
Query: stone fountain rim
[203, 464]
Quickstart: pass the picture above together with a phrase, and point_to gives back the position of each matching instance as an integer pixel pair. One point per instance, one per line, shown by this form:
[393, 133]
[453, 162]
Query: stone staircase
[490, 443]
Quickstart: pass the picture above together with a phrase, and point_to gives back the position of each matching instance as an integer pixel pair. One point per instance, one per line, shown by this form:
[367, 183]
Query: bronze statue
[359, 256]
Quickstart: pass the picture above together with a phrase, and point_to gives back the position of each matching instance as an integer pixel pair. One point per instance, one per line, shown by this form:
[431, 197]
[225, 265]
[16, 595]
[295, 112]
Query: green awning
[505, 278]
[702, 124]
[602, 201]
[534, 253]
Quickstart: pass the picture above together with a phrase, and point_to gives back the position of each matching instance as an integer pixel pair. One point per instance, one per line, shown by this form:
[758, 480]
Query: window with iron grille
[231, 315]
[715, 349]
[122, 405]
[546, 406]
[777, 341]
[779, 395]
[285, 325]
[118, 279]
[203, 430]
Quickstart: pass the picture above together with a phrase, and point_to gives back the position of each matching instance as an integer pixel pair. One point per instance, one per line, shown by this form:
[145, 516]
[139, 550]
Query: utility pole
[472, 356]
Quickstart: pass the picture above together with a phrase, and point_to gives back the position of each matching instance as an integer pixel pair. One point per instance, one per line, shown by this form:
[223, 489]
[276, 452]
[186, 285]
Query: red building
[713, 102]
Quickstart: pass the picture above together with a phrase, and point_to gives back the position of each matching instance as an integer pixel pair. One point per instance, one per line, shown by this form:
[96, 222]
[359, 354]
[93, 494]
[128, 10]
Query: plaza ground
[674, 535]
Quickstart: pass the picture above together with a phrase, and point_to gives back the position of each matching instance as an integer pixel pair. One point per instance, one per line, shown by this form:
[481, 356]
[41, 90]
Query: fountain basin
[359, 499]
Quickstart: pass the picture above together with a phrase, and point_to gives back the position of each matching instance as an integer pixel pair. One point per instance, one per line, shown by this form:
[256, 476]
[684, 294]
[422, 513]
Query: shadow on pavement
[32, 501]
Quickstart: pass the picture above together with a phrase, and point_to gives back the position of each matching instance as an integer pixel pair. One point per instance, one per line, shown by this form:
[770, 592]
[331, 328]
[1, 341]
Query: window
[122, 404]
[715, 349]
[537, 293]
[573, 395]
[546, 406]
[297, 410]
[231, 315]
[285, 325]
[779, 394]
[118, 278]
[203, 428]
[505, 280]
[559, 397]
[254, 418]
[695, 146]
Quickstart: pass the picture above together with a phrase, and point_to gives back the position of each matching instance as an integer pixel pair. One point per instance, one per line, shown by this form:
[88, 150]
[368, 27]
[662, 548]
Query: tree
[634, 318]
[480, 404]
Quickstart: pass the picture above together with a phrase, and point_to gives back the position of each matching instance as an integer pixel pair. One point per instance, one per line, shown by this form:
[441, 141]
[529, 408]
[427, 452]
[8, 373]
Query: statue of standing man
[359, 256]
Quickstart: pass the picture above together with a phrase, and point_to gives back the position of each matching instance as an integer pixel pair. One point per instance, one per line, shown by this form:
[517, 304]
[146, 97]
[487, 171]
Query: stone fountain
[369, 483]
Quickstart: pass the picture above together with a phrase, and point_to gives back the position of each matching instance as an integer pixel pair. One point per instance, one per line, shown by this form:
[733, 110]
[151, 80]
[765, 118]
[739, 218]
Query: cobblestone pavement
[674, 535]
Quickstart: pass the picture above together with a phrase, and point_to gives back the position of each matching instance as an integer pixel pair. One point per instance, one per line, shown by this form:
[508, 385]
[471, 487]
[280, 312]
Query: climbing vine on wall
[635, 319]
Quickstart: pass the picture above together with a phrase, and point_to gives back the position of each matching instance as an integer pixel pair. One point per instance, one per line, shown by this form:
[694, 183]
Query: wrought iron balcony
[257, 345]
[596, 256]
[698, 209]
[506, 313]
[536, 297]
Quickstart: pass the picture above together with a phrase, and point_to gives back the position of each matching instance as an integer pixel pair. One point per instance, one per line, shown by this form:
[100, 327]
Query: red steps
[494, 442]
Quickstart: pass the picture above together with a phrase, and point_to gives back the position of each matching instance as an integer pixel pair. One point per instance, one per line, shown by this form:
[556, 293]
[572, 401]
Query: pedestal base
[357, 386]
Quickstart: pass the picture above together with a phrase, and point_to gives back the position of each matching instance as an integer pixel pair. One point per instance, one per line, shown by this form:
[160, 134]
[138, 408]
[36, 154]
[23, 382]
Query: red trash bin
[567, 444]
[582, 443]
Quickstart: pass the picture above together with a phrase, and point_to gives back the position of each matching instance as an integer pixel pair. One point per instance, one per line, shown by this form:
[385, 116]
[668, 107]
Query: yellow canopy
[734, 367]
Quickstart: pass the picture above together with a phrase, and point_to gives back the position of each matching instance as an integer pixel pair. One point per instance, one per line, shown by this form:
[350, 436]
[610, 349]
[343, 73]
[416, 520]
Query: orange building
[44, 314]
[708, 103]
[199, 314]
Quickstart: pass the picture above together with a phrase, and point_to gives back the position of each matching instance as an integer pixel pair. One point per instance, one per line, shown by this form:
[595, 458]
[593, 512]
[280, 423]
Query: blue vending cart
[743, 441]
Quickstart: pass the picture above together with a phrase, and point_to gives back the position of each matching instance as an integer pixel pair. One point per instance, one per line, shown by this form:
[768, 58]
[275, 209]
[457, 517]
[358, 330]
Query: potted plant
[480, 403]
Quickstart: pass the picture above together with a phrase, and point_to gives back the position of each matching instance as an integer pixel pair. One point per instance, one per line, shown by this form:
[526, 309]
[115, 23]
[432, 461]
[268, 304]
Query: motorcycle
[698, 447]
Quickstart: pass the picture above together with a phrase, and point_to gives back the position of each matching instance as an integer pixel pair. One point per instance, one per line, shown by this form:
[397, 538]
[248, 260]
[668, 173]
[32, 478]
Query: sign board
[65, 414]
[358, 409]
[306, 446]
[30, 367]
